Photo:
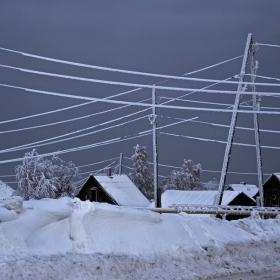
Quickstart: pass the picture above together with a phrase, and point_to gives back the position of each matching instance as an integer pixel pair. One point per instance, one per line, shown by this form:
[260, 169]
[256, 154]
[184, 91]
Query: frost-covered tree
[187, 178]
[141, 175]
[39, 177]
[211, 185]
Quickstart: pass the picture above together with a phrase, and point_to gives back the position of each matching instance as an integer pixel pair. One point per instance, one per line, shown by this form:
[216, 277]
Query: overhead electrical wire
[39, 126]
[107, 82]
[114, 69]
[111, 141]
[67, 108]
[98, 170]
[219, 141]
[141, 134]
[95, 163]
[267, 45]
[86, 165]
[156, 105]
[41, 143]
[220, 125]
[263, 77]
[203, 170]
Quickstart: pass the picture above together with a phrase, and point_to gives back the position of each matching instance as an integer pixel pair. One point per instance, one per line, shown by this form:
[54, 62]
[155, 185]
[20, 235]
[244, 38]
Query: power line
[111, 141]
[97, 162]
[158, 105]
[46, 113]
[40, 143]
[67, 108]
[132, 84]
[263, 77]
[218, 141]
[220, 125]
[201, 102]
[203, 170]
[114, 69]
[267, 45]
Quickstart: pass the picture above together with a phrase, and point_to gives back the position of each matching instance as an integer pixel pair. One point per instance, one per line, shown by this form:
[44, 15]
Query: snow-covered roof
[122, 190]
[177, 197]
[5, 190]
[249, 190]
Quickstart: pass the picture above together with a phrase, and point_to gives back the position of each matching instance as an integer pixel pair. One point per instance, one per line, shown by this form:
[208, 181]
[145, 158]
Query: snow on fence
[220, 210]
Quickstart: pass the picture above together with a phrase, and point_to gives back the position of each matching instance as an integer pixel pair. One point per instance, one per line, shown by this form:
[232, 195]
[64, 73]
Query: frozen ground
[70, 239]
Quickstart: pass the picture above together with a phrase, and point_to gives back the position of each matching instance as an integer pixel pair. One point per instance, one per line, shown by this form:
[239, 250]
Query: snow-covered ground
[70, 239]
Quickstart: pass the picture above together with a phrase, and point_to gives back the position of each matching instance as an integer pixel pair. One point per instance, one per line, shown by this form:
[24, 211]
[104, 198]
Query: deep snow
[5, 190]
[71, 239]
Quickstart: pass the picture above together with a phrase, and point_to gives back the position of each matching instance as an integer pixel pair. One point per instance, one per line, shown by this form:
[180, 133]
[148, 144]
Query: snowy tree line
[39, 177]
[186, 178]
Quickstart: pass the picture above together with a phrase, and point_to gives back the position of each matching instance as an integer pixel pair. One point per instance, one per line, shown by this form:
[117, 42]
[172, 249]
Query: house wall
[271, 191]
[240, 200]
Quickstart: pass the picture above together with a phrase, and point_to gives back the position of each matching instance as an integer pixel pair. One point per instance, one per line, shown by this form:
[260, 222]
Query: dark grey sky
[165, 37]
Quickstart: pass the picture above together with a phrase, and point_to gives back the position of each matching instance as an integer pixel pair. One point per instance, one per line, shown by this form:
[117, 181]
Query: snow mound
[5, 190]
[70, 239]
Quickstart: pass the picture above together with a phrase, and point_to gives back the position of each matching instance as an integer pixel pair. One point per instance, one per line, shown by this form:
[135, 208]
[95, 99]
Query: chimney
[108, 172]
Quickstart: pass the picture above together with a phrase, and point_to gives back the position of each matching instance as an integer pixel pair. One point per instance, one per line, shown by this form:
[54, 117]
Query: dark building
[271, 191]
[115, 189]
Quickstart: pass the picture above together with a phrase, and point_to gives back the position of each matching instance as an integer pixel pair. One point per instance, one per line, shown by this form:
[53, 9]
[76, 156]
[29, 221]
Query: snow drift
[5, 190]
[70, 239]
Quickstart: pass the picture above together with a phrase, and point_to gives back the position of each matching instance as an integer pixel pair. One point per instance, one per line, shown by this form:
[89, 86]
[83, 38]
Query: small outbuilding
[250, 190]
[271, 191]
[115, 189]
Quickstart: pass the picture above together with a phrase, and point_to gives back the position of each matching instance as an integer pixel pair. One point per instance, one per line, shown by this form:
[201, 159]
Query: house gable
[93, 191]
[271, 190]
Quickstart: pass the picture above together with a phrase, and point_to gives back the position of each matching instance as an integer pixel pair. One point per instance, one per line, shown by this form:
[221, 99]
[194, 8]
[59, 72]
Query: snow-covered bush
[141, 175]
[187, 178]
[211, 185]
[44, 178]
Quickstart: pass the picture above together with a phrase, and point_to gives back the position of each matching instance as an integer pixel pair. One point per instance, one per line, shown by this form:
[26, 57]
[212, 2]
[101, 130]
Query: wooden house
[115, 189]
[271, 191]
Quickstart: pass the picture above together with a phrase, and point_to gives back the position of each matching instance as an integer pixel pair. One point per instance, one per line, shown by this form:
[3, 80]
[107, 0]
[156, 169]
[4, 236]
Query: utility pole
[256, 107]
[248, 47]
[120, 165]
[153, 120]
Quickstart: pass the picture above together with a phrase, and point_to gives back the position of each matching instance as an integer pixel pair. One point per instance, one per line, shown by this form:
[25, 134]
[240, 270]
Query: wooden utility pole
[120, 164]
[256, 108]
[153, 120]
[248, 47]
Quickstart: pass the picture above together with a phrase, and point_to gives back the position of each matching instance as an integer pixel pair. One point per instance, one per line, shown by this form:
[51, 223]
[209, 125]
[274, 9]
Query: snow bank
[67, 239]
[5, 190]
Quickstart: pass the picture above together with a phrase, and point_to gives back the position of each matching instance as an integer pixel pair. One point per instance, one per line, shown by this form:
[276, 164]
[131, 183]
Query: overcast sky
[163, 37]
